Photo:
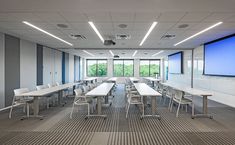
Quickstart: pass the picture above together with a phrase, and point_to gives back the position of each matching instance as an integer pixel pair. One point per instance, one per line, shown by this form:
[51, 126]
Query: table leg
[205, 104]
[99, 105]
[204, 109]
[35, 106]
[153, 104]
[153, 107]
[60, 96]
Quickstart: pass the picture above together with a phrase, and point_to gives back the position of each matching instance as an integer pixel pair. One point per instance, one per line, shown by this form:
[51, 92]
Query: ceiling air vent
[122, 37]
[77, 37]
[168, 37]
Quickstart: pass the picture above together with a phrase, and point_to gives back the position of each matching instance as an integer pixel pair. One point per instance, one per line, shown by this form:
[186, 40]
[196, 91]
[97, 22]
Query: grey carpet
[58, 128]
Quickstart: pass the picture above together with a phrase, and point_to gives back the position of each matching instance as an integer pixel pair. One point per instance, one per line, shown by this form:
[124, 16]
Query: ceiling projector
[109, 42]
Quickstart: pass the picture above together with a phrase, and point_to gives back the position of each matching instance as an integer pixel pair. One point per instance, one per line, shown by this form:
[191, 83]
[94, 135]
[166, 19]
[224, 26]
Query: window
[149, 68]
[123, 68]
[96, 68]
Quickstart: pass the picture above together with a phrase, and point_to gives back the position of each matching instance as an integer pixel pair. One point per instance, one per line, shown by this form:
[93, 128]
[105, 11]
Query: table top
[189, 90]
[133, 79]
[90, 79]
[112, 79]
[44, 92]
[152, 79]
[144, 90]
[101, 90]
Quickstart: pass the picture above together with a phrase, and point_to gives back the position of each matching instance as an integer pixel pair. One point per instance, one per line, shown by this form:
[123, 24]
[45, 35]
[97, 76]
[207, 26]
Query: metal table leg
[204, 109]
[153, 107]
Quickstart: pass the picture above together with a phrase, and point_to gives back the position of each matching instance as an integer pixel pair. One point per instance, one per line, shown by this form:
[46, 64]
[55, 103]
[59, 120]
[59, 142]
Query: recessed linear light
[110, 51]
[198, 33]
[147, 34]
[88, 53]
[39, 29]
[134, 53]
[157, 53]
[96, 31]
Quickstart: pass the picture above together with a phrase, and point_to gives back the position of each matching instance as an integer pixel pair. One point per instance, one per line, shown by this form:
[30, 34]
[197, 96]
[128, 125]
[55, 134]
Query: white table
[134, 80]
[91, 79]
[113, 80]
[194, 92]
[99, 92]
[144, 90]
[152, 80]
[45, 92]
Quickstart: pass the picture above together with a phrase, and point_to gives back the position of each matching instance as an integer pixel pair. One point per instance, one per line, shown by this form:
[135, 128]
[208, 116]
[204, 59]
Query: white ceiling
[108, 14]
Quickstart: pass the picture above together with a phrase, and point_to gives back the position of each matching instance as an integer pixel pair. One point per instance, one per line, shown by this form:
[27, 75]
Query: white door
[48, 62]
[58, 66]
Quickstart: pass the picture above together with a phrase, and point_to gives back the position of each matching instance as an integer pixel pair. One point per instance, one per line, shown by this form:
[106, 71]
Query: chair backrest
[85, 88]
[50, 85]
[41, 87]
[18, 92]
[177, 94]
[21, 91]
[78, 92]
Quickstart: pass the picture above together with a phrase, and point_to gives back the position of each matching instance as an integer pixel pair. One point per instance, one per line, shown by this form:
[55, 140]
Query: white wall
[223, 87]
[71, 68]
[184, 78]
[58, 66]
[136, 67]
[2, 71]
[28, 64]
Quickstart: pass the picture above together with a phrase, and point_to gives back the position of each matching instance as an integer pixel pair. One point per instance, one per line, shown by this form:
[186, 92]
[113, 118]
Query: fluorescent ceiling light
[157, 53]
[96, 31]
[147, 34]
[134, 53]
[110, 51]
[88, 53]
[39, 29]
[198, 33]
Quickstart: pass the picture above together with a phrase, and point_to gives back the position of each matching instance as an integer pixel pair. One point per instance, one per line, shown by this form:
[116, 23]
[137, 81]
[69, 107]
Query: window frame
[124, 67]
[96, 67]
[149, 60]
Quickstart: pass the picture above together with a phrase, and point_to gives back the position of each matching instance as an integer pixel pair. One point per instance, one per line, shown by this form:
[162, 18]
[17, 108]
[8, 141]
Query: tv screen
[219, 57]
[175, 63]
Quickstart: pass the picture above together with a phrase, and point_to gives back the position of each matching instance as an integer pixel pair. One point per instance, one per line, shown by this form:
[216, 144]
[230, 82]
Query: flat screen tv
[175, 63]
[219, 57]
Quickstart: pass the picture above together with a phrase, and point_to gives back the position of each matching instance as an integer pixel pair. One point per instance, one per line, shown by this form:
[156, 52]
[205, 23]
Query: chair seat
[183, 101]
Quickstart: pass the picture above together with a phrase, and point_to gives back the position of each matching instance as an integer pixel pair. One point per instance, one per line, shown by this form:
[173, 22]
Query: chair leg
[143, 110]
[171, 105]
[177, 113]
[10, 112]
[192, 109]
[71, 112]
[127, 110]
[186, 107]
[88, 109]
[27, 110]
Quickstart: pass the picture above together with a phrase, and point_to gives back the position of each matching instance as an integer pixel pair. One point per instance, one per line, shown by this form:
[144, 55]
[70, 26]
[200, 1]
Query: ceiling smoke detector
[77, 36]
[168, 36]
[182, 26]
[123, 37]
[123, 26]
[63, 26]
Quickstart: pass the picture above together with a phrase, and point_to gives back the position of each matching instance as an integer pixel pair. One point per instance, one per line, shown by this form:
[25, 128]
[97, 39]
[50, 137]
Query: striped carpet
[58, 128]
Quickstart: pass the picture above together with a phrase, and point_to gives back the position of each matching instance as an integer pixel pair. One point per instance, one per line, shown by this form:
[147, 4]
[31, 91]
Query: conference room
[117, 72]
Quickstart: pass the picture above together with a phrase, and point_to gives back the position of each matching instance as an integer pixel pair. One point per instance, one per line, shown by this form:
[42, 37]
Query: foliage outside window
[96, 68]
[149, 68]
[123, 68]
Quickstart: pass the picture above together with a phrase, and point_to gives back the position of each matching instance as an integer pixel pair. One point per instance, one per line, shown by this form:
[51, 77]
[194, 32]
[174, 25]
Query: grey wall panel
[12, 67]
[28, 65]
[39, 64]
[66, 67]
[2, 67]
